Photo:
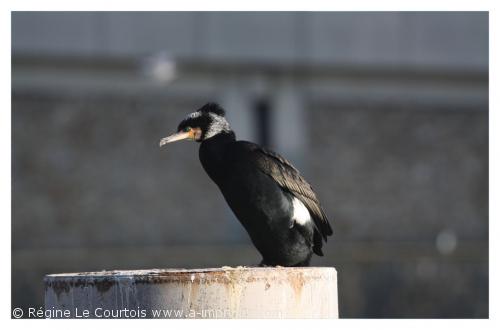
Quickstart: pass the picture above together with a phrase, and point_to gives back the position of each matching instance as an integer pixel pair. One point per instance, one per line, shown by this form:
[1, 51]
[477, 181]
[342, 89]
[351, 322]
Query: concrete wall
[394, 39]
[220, 293]
[386, 114]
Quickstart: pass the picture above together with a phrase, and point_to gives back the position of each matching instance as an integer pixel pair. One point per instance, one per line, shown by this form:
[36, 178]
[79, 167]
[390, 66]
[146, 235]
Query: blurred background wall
[386, 114]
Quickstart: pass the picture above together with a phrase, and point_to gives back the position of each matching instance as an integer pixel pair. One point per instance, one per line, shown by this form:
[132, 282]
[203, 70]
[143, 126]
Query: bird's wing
[289, 178]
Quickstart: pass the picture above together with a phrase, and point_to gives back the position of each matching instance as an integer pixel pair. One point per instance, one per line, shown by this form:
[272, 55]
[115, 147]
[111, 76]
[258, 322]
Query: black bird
[274, 203]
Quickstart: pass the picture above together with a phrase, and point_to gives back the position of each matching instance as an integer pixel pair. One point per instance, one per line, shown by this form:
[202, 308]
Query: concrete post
[195, 293]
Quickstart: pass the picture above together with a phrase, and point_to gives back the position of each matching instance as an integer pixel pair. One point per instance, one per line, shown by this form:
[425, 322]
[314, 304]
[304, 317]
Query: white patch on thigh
[300, 213]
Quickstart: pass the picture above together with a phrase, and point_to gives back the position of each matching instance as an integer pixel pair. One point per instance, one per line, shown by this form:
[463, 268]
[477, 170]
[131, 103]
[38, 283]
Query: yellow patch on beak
[196, 133]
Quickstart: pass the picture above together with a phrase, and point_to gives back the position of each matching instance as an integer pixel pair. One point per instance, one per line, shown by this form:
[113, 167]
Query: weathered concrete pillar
[195, 293]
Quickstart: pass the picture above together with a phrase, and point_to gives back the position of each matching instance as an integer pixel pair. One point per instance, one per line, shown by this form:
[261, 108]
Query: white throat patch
[218, 124]
[300, 213]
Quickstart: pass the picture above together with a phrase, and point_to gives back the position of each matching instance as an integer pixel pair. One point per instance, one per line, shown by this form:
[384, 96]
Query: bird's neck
[213, 153]
[220, 139]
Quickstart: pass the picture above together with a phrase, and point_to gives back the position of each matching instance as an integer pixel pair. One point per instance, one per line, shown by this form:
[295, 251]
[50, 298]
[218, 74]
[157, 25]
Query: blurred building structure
[386, 114]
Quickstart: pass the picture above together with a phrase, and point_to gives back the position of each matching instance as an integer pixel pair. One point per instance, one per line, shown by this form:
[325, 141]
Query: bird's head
[200, 125]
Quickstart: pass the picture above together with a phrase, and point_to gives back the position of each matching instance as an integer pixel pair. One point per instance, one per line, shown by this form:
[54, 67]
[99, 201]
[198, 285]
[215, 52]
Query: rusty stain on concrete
[296, 281]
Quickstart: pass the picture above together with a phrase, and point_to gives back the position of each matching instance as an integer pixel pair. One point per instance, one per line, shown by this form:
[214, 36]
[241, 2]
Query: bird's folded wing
[289, 178]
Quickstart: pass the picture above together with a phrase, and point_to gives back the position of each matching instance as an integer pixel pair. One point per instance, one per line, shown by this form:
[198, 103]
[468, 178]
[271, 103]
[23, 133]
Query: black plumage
[268, 195]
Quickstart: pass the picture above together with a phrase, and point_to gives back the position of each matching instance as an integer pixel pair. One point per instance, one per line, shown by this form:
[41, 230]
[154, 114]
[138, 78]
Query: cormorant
[275, 204]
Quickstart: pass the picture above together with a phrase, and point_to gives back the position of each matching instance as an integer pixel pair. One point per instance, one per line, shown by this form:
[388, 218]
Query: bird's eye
[187, 129]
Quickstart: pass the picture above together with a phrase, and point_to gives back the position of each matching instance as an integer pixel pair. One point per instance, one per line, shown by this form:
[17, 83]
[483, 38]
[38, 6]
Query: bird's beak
[175, 137]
